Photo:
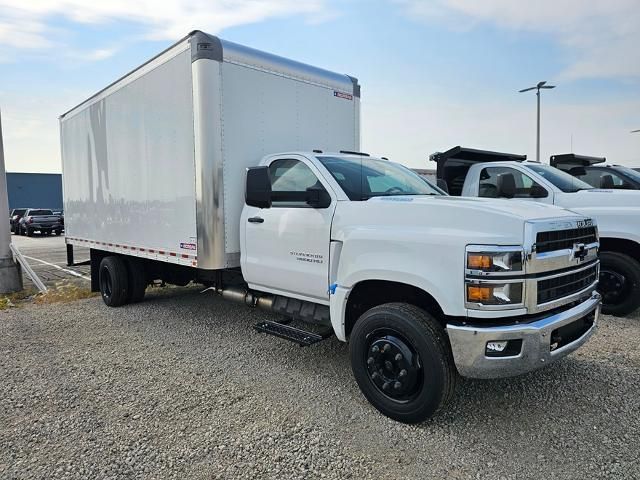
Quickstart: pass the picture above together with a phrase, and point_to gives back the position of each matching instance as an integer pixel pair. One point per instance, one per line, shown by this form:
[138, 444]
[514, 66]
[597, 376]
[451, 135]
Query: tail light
[30, 220]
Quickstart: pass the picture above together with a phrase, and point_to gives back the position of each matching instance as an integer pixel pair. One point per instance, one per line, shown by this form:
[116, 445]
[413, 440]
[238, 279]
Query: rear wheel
[137, 279]
[402, 362]
[619, 283]
[114, 281]
[29, 232]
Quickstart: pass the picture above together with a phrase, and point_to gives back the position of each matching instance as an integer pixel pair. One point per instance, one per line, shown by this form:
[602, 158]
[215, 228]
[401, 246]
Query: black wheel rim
[105, 283]
[613, 286]
[393, 365]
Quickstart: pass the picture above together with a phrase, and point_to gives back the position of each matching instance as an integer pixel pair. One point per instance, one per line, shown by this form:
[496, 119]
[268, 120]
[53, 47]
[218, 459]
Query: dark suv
[14, 218]
[40, 219]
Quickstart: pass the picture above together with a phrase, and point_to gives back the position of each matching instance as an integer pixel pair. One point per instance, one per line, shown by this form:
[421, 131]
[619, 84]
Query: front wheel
[619, 283]
[402, 362]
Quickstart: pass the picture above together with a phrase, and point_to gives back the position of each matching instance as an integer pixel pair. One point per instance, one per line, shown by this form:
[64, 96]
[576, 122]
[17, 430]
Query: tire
[137, 280]
[58, 232]
[29, 232]
[619, 283]
[425, 357]
[114, 281]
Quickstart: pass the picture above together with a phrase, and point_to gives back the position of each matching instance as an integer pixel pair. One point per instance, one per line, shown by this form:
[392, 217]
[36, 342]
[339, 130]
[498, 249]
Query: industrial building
[35, 190]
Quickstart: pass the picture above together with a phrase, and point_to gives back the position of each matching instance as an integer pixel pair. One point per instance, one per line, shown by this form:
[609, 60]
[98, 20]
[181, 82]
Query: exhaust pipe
[242, 295]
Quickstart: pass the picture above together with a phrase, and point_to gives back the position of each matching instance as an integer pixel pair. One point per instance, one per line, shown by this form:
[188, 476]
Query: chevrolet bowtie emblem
[579, 251]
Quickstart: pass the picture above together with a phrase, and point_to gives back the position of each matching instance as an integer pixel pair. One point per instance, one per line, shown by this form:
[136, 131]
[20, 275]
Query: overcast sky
[434, 73]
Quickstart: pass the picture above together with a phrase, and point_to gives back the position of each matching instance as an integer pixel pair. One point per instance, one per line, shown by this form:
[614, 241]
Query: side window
[290, 180]
[525, 186]
[489, 183]
[592, 177]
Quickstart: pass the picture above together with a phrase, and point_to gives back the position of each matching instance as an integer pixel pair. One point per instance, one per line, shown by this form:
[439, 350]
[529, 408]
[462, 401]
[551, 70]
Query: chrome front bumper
[468, 343]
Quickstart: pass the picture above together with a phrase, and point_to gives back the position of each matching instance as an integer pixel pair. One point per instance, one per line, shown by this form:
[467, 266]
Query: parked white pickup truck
[168, 176]
[477, 173]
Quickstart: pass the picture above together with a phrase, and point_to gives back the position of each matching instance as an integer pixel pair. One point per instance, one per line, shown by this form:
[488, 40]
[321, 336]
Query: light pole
[537, 89]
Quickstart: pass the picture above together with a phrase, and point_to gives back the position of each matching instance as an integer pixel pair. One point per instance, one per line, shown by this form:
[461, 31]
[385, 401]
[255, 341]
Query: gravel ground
[181, 387]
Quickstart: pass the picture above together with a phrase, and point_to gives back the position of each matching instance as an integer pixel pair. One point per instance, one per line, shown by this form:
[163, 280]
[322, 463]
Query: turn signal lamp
[478, 261]
[479, 294]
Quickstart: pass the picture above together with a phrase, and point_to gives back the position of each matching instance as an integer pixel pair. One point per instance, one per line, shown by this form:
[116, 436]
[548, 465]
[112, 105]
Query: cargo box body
[154, 164]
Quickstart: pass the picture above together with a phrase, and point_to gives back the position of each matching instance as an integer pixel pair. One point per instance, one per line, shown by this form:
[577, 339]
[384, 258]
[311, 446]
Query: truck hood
[455, 220]
[616, 211]
[600, 198]
[520, 209]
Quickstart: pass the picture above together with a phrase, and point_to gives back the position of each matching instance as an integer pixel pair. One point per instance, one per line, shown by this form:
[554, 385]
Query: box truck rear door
[287, 245]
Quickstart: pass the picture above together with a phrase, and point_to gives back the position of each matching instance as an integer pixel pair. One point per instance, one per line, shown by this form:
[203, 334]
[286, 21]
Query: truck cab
[415, 280]
[476, 173]
[596, 173]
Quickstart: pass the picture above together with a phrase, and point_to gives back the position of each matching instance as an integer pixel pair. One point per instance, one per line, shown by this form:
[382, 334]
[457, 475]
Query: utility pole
[537, 89]
[10, 274]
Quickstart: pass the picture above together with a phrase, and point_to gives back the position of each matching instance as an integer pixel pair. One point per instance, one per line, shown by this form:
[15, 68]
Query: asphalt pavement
[47, 256]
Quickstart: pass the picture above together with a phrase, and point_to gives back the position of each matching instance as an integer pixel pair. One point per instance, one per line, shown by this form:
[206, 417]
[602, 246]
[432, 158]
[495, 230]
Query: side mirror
[538, 191]
[318, 197]
[506, 185]
[258, 187]
[442, 185]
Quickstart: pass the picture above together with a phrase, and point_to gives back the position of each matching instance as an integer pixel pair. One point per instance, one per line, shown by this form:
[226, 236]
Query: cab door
[286, 247]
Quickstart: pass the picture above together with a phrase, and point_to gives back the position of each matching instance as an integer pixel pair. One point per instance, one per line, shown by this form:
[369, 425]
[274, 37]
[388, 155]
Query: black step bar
[301, 337]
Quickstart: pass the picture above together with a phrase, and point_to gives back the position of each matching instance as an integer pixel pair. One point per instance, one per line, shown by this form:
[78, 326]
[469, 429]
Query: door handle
[255, 220]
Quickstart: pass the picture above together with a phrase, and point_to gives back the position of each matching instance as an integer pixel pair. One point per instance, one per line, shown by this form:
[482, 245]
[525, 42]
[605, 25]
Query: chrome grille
[564, 239]
[557, 287]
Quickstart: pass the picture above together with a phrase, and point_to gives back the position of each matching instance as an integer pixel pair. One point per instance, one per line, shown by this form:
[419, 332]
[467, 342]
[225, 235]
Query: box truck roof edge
[204, 45]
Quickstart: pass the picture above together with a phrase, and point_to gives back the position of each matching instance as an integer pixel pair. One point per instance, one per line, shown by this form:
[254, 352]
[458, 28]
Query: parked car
[61, 215]
[422, 285]
[14, 218]
[593, 171]
[39, 219]
[477, 173]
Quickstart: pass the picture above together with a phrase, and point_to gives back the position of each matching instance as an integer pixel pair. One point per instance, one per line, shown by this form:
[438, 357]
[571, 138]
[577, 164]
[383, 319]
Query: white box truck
[172, 173]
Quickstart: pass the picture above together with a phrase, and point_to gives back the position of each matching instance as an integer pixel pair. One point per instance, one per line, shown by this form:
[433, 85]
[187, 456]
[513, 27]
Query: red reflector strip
[193, 258]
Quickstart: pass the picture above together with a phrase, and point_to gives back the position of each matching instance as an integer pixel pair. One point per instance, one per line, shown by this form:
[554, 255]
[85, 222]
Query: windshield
[631, 173]
[363, 177]
[19, 211]
[560, 179]
[40, 212]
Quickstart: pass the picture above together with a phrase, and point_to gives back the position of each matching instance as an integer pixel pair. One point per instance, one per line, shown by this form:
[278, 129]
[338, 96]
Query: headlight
[494, 277]
[495, 293]
[506, 259]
